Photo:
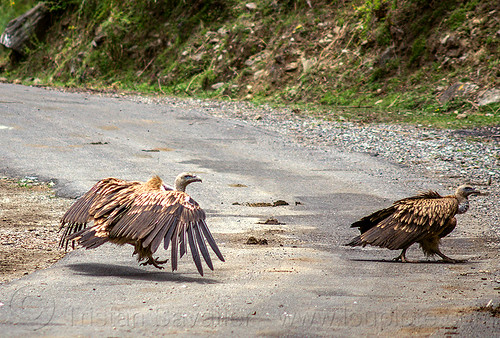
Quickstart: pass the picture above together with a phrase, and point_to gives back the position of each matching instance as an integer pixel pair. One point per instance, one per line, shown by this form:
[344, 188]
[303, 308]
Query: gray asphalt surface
[304, 282]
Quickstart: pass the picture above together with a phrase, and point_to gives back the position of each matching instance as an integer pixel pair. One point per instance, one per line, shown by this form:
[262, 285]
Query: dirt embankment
[29, 224]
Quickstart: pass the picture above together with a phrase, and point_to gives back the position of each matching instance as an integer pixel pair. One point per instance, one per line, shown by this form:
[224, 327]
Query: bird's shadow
[410, 262]
[122, 271]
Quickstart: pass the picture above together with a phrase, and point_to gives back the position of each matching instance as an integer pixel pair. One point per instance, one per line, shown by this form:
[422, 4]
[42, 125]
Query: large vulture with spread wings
[144, 215]
[423, 219]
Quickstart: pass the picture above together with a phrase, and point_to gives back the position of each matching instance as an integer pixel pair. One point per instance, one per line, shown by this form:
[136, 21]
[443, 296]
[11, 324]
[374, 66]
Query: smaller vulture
[423, 219]
[143, 215]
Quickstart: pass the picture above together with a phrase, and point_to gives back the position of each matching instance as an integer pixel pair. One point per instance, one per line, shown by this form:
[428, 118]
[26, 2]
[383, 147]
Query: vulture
[143, 215]
[423, 219]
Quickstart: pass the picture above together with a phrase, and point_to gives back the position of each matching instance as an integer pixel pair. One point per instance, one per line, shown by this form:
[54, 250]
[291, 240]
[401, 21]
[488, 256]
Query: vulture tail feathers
[368, 222]
[356, 241]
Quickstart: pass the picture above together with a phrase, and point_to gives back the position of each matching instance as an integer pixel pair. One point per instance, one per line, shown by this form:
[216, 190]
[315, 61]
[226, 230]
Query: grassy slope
[362, 60]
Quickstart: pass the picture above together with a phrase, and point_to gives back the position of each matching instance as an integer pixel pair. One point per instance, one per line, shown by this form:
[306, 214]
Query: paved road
[302, 283]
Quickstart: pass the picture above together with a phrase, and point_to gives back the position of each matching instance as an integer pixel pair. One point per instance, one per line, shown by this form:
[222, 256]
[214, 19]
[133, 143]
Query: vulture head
[184, 179]
[466, 190]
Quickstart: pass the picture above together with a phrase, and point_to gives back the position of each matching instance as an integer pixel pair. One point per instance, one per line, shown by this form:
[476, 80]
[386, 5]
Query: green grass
[11, 9]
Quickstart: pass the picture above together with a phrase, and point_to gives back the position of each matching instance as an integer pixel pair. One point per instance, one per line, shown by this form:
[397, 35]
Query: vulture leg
[430, 246]
[146, 253]
[402, 257]
[448, 259]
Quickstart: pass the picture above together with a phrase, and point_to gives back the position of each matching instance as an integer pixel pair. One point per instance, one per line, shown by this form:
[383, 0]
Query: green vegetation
[10, 9]
[360, 60]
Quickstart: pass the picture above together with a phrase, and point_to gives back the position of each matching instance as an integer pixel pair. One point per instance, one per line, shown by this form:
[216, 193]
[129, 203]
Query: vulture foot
[155, 262]
[402, 258]
[447, 259]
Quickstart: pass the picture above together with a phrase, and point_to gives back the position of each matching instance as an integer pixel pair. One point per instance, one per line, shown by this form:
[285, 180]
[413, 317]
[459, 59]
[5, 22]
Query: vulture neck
[463, 206]
[180, 185]
[463, 203]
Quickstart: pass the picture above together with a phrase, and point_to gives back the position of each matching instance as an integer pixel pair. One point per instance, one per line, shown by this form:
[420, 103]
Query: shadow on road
[410, 262]
[99, 269]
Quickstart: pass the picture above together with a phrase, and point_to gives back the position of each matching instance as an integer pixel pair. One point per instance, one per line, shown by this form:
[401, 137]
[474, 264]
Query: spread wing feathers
[407, 221]
[103, 193]
[90, 238]
[171, 216]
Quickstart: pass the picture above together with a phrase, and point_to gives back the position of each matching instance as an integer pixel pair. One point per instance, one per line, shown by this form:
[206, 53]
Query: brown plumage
[143, 215]
[423, 219]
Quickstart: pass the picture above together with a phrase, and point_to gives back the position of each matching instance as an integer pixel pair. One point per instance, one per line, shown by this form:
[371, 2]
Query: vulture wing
[168, 216]
[101, 196]
[407, 221]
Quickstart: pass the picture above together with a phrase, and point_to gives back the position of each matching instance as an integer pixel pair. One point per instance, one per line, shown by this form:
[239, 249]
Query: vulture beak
[476, 193]
[196, 179]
